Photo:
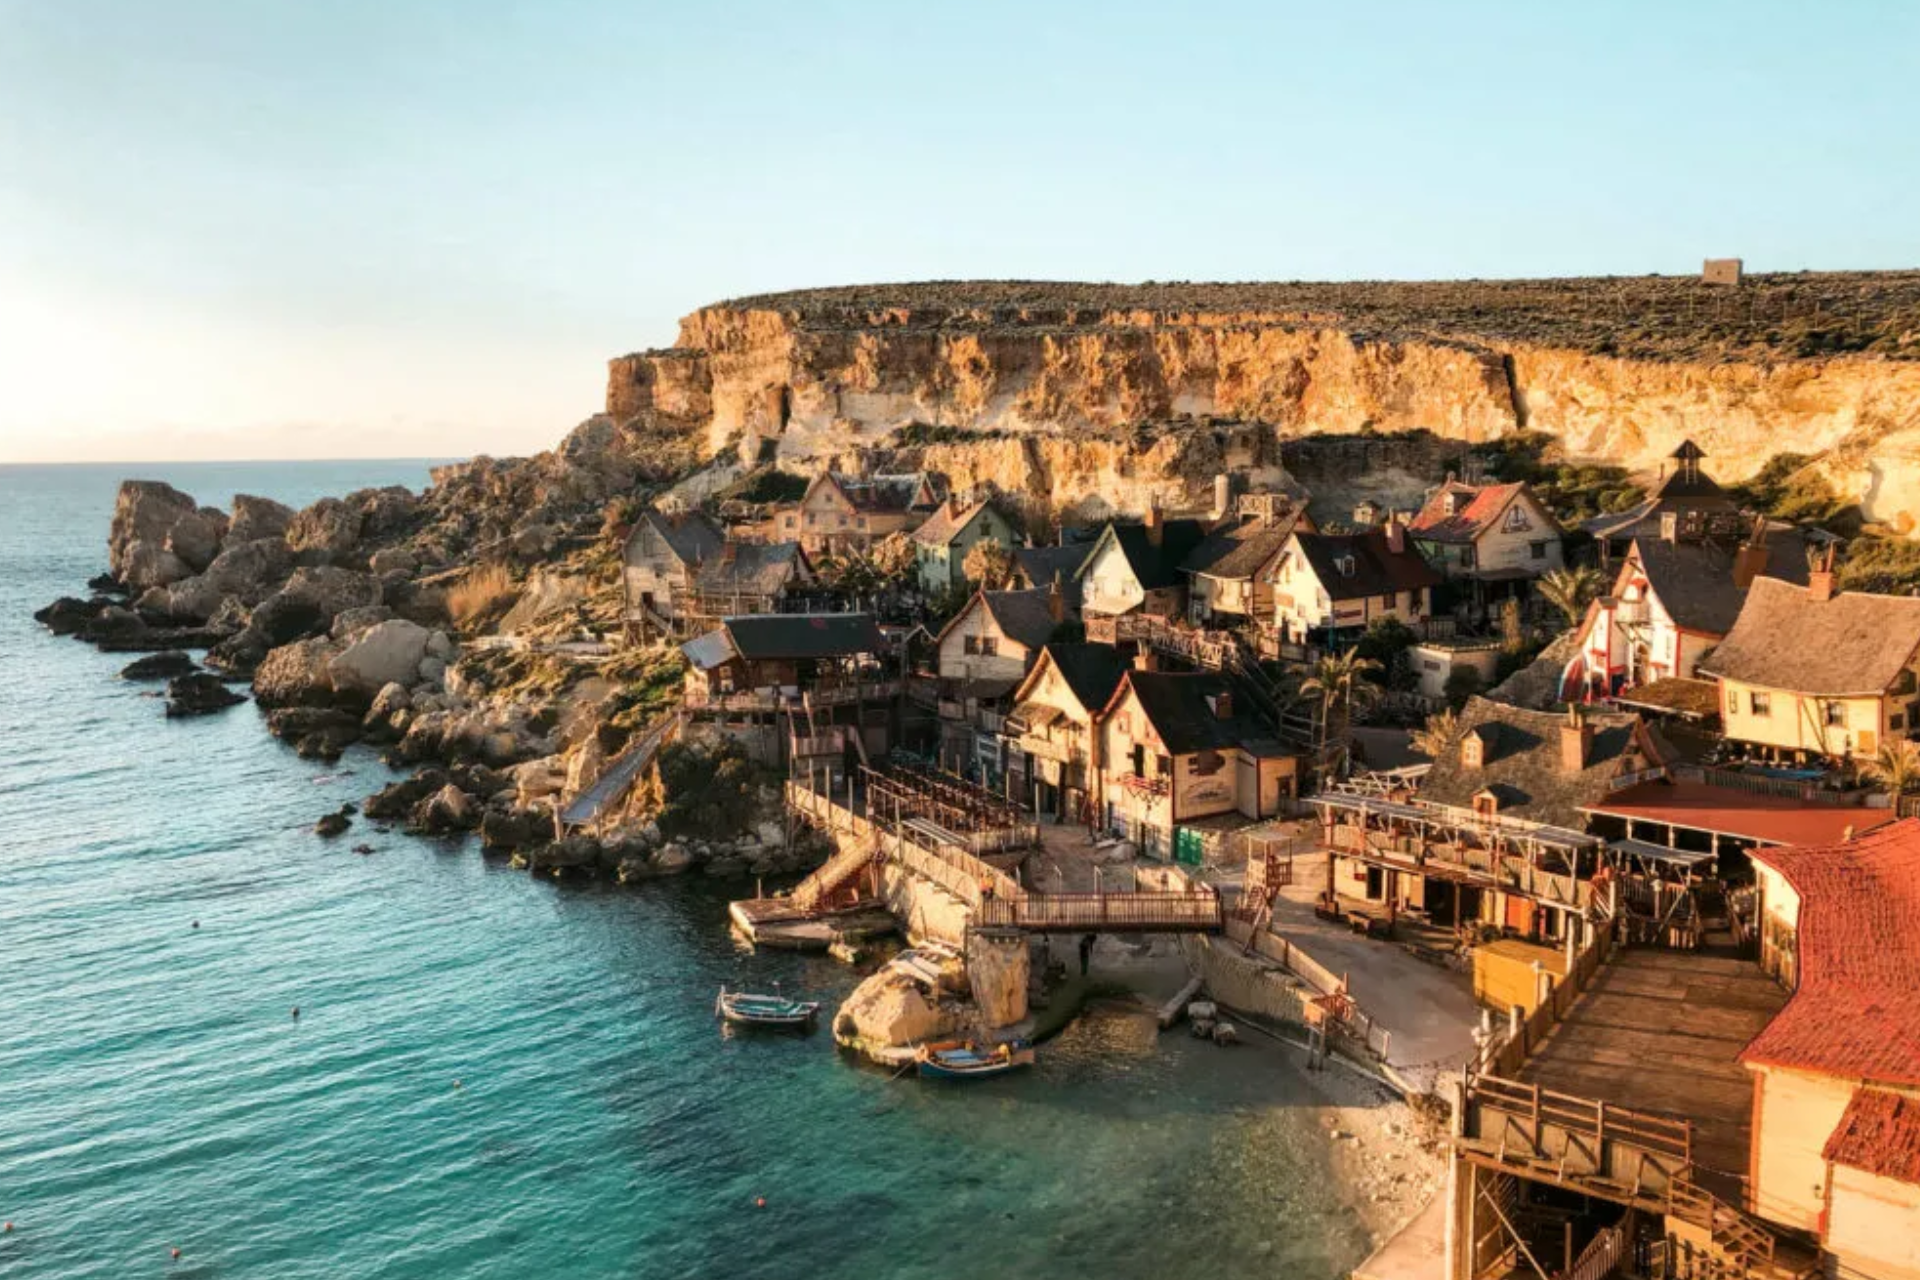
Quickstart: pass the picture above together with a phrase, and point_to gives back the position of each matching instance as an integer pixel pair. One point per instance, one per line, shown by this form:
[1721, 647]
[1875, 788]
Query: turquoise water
[493, 1076]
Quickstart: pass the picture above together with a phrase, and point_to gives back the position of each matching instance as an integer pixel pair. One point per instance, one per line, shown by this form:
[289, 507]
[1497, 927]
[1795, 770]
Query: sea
[495, 1076]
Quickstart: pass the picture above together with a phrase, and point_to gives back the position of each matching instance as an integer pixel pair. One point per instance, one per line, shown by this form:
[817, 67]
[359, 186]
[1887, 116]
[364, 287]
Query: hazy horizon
[390, 228]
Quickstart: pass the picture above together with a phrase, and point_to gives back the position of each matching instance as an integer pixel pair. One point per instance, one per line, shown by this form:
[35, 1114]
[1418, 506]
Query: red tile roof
[1879, 1133]
[1698, 806]
[1488, 501]
[1857, 1010]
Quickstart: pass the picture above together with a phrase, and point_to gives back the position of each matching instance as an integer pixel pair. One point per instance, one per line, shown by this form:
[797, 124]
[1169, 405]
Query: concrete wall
[925, 910]
[1241, 983]
[1873, 1227]
[1795, 1115]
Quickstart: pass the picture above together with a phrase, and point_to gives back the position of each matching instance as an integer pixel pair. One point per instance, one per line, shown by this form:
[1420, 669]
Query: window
[1834, 715]
[1896, 722]
[1538, 550]
[1139, 761]
[1759, 704]
[1466, 557]
[971, 645]
[791, 522]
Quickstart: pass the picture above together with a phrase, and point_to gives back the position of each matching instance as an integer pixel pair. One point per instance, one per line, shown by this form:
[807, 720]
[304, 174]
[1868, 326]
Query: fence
[1761, 785]
[1321, 980]
[1101, 912]
[1503, 1054]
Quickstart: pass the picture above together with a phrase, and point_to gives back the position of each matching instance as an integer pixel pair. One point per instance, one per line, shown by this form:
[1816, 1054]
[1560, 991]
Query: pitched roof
[1522, 764]
[1039, 564]
[1026, 616]
[1694, 580]
[690, 536]
[946, 523]
[1179, 709]
[1692, 488]
[1856, 1012]
[760, 636]
[1376, 570]
[1091, 671]
[1157, 564]
[1852, 645]
[881, 493]
[1879, 1133]
[751, 568]
[1241, 551]
[1477, 507]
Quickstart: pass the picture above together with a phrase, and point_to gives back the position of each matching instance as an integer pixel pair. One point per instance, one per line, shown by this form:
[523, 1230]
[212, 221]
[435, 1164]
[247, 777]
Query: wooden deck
[1661, 1031]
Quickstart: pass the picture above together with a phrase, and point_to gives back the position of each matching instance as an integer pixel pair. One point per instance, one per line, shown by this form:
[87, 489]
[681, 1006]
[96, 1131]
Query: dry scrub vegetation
[1771, 316]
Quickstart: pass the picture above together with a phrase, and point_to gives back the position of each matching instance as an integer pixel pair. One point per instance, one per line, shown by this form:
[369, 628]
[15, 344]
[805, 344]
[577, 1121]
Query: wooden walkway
[611, 787]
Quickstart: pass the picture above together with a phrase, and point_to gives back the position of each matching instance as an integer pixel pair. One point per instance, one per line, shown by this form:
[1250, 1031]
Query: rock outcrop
[1621, 370]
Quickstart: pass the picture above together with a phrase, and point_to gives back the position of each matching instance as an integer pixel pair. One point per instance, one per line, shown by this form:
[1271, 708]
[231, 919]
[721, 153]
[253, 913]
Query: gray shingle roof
[1377, 570]
[1523, 763]
[759, 636]
[1025, 616]
[690, 536]
[750, 568]
[1852, 645]
[1092, 671]
[1694, 580]
[1240, 552]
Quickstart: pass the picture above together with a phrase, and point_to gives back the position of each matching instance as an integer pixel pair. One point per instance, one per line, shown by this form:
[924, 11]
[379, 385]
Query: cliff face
[1040, 387]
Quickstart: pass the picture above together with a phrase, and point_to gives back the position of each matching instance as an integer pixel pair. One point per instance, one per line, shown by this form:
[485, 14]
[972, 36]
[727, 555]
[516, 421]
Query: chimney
[1750, 561]
[1144, 660]
[1820, 583]
[953, 505]
[1223, 705]
[1154, 530]
[1396, 536]
[1576, 740]
[1056, 600]
[1222, 495]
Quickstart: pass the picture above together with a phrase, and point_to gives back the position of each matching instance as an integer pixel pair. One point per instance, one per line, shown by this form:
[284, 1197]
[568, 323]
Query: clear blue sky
[354, 227]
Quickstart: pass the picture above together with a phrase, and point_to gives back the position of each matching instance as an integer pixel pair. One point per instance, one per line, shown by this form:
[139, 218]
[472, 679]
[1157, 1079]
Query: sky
[363, 228]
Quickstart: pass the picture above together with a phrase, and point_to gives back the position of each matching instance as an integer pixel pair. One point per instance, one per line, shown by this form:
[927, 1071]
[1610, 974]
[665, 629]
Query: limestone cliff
[1044, 387]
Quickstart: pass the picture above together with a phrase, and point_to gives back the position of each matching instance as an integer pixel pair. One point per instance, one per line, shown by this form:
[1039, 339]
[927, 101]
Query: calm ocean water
[155, 1093]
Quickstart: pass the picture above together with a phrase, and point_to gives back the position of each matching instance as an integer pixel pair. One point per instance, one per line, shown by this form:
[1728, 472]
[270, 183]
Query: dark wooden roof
[1376, 570]
[1523, 763]
[1694, 580]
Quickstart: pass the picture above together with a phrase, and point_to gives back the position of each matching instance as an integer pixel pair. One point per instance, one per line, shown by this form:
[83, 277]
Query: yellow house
[1813, 671]
[1344, 582]
[840, 512]
[1174, 751]
[1054, 750]
[1836, 1073]
[984, 653]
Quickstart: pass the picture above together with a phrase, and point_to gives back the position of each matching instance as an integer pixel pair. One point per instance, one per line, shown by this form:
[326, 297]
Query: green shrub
[705, 791]
[1886, 566]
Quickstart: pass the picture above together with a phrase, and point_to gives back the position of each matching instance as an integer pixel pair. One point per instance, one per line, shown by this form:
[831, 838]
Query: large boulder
[256, 518]
[143, 564]
[392, 699]
[446, 811]
[328, 532]
[198, 695]
[144, 513]
[889, 1011]
[296, 674]
[164, 665]
[351, 622]
[248, 571]
[383, 654]
[334, 590]
[196, 538]
[384, 512]
[393, 560]
[285, 617]
[68, 615]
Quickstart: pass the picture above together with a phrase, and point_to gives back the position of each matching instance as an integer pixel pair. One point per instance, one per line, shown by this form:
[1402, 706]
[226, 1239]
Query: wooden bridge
[897, 828]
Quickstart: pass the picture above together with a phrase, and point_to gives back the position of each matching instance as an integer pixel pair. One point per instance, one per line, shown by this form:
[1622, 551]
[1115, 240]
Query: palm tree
[1897, 768]
[1571, 590]
[1436, 737]
[1339, 679]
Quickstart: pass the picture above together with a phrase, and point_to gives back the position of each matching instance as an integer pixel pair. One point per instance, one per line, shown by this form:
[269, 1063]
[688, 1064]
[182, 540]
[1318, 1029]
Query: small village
[1597, 832]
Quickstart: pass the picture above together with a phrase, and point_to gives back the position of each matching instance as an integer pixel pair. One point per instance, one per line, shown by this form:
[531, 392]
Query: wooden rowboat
[745, 1009]
[964, 1060]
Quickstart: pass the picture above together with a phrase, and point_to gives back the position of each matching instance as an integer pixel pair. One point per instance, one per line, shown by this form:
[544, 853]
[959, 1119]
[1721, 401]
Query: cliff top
[1768, 317]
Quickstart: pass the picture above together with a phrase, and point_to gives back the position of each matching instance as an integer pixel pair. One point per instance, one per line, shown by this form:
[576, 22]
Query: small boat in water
[745, 1009]
[964, 1060]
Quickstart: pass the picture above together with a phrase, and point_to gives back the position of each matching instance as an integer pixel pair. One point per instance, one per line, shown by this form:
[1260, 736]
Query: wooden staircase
[1733, 1232]
[834, 873]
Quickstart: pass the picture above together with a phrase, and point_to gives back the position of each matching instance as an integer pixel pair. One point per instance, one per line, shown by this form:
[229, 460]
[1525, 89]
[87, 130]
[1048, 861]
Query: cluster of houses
[1675, 831]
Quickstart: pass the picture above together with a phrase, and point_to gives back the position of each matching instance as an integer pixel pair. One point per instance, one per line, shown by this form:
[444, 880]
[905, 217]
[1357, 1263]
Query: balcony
[836, 693]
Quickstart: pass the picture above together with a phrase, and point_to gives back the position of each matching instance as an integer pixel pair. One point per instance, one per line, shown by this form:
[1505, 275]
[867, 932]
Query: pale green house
[941, 544]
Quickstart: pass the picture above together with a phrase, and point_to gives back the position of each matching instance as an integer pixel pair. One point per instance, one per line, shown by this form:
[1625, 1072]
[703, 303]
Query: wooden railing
[1317, 978]
[1483, 867]
[1509, 1048]
[777, 698]
[1104, 912]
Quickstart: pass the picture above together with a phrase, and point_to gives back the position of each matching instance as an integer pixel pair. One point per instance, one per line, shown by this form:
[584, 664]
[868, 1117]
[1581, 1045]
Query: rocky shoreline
[349, 625]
